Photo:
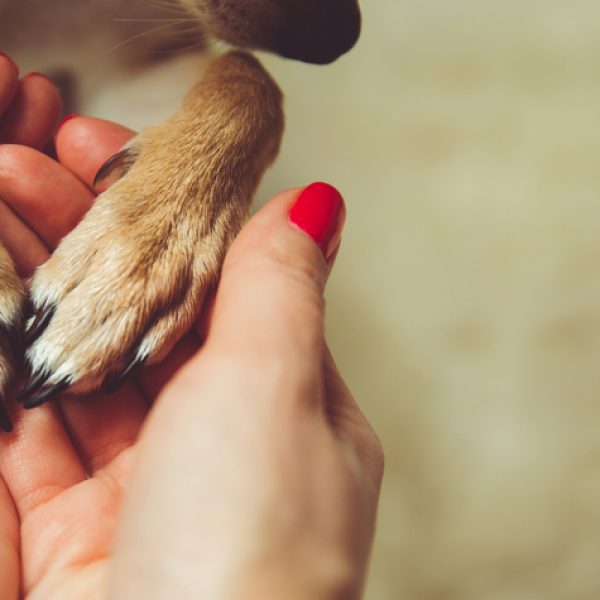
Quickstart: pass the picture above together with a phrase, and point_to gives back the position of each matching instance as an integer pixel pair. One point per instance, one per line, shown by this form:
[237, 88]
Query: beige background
[465, 306]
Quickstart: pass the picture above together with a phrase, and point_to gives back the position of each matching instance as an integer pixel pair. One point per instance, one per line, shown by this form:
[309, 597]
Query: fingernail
[11, 61]
[67, 118]
[37, 74]
[319, 211]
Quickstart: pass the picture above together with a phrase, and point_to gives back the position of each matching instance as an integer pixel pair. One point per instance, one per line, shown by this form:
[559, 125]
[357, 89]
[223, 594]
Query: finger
[32, 116]
[26, 249]
[42, 192]
[9, 545]
[37, 460]
[9, 82]
[84, 144]
[279, 271]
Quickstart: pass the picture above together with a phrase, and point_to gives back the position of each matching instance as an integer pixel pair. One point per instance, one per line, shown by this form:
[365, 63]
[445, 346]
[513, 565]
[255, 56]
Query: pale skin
[240, 468]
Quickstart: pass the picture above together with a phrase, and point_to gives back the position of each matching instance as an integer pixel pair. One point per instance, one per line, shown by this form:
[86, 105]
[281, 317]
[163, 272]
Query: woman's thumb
[270, 298]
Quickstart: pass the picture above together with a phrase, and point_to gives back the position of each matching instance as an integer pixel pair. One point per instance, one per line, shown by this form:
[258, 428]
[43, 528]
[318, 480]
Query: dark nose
[320, 32]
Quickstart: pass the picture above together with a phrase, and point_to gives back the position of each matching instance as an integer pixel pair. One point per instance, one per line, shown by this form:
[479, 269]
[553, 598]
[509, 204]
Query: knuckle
[301, 261]
[14, 161]
[9, 154]
[280, 262]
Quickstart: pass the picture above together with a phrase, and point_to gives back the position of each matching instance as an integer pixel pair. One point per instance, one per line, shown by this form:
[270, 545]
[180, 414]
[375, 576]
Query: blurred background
[464, 309]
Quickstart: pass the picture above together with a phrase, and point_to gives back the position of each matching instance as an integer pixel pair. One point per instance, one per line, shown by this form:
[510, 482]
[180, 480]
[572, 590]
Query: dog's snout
[323, 35]
[313, 31]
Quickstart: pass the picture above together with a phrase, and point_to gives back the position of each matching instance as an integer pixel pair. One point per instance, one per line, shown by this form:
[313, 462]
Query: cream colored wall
[465, 305]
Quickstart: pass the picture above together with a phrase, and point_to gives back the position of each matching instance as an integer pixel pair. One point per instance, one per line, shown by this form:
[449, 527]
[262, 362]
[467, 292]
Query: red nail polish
[11, 61]
[319, 211]
[67, 118]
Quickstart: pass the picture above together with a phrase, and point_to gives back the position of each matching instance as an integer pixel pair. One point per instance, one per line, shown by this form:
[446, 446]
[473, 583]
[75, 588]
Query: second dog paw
[11, 305]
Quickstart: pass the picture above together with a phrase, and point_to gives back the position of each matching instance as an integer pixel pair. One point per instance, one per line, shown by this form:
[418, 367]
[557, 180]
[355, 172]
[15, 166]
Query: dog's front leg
[123, 287]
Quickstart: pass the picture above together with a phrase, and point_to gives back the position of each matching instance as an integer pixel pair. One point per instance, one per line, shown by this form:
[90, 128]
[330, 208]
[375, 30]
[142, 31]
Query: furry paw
[124, 286]
[11, 305]
[119, 291]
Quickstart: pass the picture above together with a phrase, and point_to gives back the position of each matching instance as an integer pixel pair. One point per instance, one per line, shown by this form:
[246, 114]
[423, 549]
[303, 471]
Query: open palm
[64, 466]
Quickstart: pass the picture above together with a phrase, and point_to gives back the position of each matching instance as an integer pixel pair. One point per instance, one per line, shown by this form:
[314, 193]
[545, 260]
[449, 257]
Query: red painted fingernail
[11, 61]
[319, 211]
[67, 118]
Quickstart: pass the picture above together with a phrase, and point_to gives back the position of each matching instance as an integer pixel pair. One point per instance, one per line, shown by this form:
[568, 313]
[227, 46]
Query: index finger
[84, 144]
[44, 195]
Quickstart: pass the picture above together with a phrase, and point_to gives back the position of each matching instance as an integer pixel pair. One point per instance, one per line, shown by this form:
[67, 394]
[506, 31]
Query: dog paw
[11, 306]
[119, 291]
[124, 286]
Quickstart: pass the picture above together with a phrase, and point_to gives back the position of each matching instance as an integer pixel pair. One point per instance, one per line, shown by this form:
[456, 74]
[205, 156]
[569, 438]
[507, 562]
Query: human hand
[268, 475]
[29, 107]
[257, 475]
[29, 111]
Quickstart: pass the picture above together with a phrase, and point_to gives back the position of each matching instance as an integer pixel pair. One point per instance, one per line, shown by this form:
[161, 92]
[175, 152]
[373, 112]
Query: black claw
[28, 309]
[5, 422]
[36, 381]
[47, 394]
[113, 382]
[119, 164]
[40, 322]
